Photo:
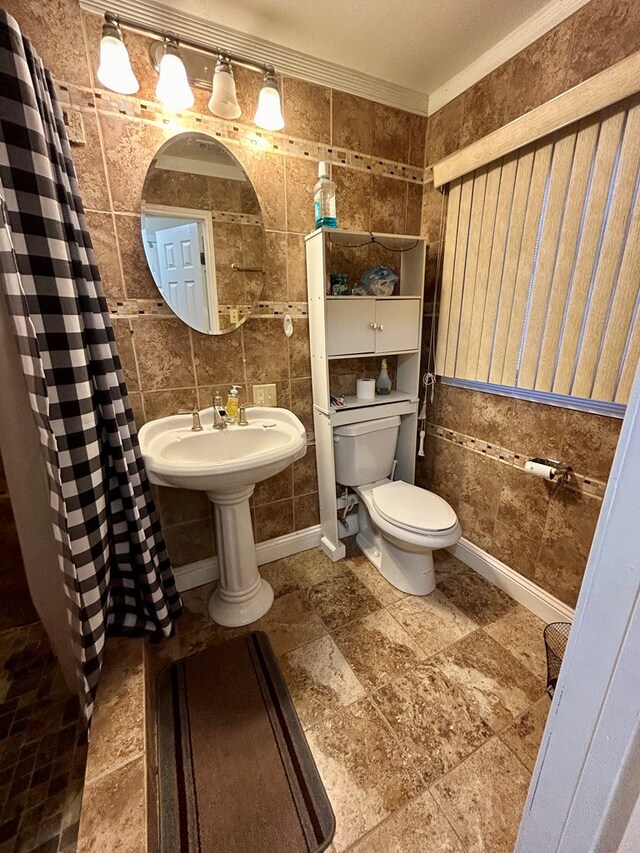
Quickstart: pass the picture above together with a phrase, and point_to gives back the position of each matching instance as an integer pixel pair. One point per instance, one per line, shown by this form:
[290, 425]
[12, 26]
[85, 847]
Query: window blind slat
[510, 264]
[459, 356]
[505, 198]
[588, 250]
[453, 209]
[548, 254]
[526, 261]
[622, 309]
[569, 235]
[630, 364]
[610, 257]
[462, 242]
[470, 368]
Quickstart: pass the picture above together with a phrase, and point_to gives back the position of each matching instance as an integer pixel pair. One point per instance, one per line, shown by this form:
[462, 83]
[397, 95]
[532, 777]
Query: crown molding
[533, 28]
[286, 61]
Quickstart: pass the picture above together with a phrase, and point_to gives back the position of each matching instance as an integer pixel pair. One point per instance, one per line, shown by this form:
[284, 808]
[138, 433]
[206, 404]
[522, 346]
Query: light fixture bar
[162, 35]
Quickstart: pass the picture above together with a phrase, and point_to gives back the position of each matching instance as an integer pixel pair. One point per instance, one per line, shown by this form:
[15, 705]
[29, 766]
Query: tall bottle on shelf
[324, 199]
[383, 383]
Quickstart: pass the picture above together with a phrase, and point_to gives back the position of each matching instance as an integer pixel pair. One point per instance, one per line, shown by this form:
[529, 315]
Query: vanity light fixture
[115, 71]
[224, 101]
[269, 112]
[173, 87]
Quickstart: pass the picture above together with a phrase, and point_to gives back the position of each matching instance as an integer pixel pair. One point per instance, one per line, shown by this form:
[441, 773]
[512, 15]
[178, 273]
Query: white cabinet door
[351, 325]
[398, 325]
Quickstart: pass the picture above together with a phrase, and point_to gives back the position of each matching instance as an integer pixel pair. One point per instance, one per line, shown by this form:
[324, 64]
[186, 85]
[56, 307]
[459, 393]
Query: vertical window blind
[541, 266]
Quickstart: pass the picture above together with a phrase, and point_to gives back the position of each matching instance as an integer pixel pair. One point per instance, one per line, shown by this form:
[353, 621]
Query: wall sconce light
[269, 112]
[224, 101]
[115, 71]
[173, 87]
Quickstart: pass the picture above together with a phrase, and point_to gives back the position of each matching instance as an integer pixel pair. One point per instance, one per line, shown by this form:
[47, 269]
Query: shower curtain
[117, 574]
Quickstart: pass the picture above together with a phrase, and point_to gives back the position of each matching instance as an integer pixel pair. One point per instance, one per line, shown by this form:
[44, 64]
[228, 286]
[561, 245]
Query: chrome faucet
[196, 426]
[219, 421]
[242, 416]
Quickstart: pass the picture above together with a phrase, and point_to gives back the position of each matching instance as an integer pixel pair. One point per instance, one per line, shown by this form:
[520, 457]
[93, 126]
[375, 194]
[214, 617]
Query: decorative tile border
[159, 308]
[577, 482]
[84, 99]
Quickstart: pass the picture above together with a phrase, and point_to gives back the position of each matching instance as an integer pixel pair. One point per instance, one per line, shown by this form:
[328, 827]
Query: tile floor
[424, 715]
[42, 748]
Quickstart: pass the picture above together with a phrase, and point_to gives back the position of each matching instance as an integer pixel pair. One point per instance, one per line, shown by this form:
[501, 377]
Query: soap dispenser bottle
[324, 199]
[233, 404]
[383, 384]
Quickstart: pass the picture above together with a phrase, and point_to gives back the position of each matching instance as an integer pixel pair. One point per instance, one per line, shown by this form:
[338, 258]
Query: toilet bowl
[400, 524]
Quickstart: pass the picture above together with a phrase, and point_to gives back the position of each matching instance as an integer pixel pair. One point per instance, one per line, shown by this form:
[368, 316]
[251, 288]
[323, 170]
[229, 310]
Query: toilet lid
[413, 508]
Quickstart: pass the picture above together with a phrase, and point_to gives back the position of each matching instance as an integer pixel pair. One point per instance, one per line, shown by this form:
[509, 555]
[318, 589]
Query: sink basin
[226, 464]
[221, 460]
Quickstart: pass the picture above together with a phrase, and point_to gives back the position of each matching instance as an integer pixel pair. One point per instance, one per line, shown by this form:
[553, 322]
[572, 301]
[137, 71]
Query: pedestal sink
[226, 464]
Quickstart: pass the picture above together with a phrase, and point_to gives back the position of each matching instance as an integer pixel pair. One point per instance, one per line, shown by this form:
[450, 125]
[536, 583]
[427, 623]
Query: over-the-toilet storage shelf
[363, 327]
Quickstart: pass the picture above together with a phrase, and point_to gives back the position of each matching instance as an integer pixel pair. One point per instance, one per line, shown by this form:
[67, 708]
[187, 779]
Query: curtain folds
[117, 573]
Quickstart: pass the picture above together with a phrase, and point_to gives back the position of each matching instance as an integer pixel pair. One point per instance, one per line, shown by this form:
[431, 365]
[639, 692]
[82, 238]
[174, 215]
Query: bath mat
[235, 773]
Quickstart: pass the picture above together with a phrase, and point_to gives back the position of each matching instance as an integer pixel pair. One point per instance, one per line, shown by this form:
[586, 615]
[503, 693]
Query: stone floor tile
[364, 772]
[378, 649]
[320, 680]
[291, 622]
[492, 679]
[477, 598]
[432, 620]
[436, 724]
[523, 736]
[483, 798]
[521, 632]
[342, 599]
[419, 827]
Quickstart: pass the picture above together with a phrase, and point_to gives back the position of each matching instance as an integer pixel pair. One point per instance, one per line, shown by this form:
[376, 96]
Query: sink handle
[242, 416]
[196, 426]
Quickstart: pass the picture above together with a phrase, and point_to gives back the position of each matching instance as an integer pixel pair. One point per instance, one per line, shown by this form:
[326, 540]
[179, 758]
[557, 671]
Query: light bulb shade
[173, 84]
[115, 70]
[269, 112]
[224, 101]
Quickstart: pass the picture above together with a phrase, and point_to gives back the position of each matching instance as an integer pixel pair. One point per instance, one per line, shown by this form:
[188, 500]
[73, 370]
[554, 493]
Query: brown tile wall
[16, 607]
[506, 512]
[167, 365]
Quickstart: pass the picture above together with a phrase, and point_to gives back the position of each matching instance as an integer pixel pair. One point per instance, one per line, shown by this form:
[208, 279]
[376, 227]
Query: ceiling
[416, 44]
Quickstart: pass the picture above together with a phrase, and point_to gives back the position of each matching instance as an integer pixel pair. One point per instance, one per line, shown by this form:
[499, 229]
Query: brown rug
[235, 773]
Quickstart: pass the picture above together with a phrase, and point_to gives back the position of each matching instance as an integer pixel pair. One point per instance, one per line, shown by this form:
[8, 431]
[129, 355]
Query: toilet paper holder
[553, 470]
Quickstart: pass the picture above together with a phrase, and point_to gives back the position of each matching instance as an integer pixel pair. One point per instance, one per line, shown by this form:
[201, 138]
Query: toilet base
[410, 572]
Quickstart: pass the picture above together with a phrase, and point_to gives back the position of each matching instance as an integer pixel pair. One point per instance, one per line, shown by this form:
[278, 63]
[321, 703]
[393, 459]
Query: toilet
[400, 524]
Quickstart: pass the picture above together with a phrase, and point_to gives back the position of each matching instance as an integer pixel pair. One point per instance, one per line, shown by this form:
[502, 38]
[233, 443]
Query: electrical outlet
[265, 395]
[233, 316]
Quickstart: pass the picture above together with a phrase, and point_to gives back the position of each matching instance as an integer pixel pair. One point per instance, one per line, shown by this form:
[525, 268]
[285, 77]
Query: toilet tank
[365, 452]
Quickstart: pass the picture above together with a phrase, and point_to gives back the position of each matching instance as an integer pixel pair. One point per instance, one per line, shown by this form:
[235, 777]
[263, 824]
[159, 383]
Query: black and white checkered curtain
[117, 574]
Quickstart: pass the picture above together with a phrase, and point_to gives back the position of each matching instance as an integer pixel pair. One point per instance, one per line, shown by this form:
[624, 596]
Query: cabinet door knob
[373, 325]
[380, 327]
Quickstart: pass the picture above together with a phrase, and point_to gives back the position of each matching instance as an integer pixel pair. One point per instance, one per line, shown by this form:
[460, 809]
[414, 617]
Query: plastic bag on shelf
[376, 281]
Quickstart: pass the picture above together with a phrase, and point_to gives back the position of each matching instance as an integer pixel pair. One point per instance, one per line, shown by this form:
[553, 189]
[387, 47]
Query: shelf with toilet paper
[354, 327]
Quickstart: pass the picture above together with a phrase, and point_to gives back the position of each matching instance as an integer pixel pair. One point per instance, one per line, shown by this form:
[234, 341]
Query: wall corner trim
[540, 602]
[533, 28]
[206, 571]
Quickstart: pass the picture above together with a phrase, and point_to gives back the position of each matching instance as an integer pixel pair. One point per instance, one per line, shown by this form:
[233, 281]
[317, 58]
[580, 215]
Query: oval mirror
[202, 233]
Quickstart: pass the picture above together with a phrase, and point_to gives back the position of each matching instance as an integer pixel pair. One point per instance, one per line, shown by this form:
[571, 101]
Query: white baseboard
[205, 571]
[544, 605]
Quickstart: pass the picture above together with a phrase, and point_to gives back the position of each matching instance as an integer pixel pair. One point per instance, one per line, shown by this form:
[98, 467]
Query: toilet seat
[413, 509]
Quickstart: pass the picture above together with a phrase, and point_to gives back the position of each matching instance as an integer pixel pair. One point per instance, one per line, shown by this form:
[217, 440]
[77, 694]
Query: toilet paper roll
[366, 389]
[547, 472]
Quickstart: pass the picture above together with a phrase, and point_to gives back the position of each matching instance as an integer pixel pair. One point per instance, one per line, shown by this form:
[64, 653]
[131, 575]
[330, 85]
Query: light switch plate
[265, 395]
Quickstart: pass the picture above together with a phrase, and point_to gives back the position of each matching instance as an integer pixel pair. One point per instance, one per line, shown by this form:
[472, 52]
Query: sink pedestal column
[242, 595]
